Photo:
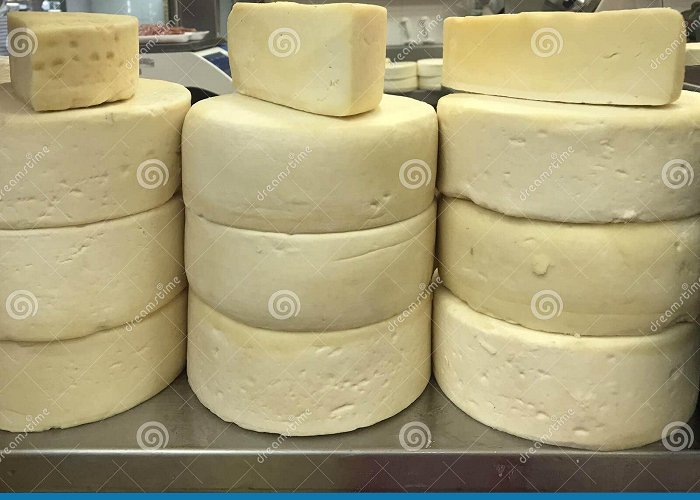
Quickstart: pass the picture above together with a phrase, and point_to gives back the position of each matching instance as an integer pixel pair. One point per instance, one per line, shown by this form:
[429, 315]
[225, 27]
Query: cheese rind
[571, 162]
[324, 59]
[86, 165]
[73, 281]
[72, 60]
[607, 393]
[585, 279]
[319, 282]
[73, 382]
[256, 165]
[569, 57]
[302, 384]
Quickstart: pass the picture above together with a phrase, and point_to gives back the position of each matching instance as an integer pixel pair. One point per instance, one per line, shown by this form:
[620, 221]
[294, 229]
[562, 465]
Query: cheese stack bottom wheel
[303, 383]
[600, 393]
[67, 383]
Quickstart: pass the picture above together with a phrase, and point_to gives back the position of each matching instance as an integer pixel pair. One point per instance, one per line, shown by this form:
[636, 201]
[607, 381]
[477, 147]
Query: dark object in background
[692, 22]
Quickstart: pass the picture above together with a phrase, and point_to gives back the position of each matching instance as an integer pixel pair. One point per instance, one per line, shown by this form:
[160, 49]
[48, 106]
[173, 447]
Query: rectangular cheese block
[627, 57]
[72, 60]
[324, 59]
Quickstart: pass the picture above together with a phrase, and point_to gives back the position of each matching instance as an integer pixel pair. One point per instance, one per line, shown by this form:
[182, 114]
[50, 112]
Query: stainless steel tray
[200, 452]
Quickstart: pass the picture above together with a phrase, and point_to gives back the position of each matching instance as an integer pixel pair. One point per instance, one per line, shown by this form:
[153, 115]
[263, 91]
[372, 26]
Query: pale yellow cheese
[4, 69]
[72, 60]
[584, 279]
[85, 165]
[70, 282]
[599, 393]
[325, 59]
[310, 282]
[256, 165]
[618, 57]
[71, 382]
[302, 383]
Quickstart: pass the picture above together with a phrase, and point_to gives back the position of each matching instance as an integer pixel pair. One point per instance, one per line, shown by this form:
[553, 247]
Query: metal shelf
[205, 453]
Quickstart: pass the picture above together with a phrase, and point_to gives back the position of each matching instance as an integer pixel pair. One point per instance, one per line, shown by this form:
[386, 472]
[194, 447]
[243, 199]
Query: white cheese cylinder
[303, 383]
[585, 279]
[403, 85]
[400, 70]
[430, 82]
[623, 57]
[72, 382]
[571, 162]
[310, 282]
[600, 393]
[430, 68]
[73, 281]
[255, 165]
[86, 165]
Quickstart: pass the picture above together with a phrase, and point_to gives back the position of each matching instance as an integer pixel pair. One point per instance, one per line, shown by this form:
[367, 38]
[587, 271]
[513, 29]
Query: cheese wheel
[72, 59]
[399, 70]
[571, 162]
[324, 59]
[79, 166]
[600, 393]
[430, 67]
[692, 54]
[303, 282]
[72, 382]
[403, 85]
[596, 58]
[430, 82]
[301, 384]
[73, 281]
[586, 279]
[256, 165]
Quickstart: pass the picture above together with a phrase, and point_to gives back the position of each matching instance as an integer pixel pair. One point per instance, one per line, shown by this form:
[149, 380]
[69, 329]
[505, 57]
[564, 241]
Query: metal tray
[173, 443]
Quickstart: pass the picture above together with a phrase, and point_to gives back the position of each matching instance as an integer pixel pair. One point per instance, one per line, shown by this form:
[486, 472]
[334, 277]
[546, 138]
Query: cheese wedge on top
[324, 59]
[619, 57]
[65, 60]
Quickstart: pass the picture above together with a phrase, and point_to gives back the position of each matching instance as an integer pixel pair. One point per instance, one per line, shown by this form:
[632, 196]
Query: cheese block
[72, 60]
[599, 393]
[302, 384]
[4, 69]
[631, 57]
[403, 85]
[70, 282]
[305, 282]
[399, 70]
[692, 54]
[324, 59]
[571, 162]
[79, 166]
[71, 382]
[430, 67]
[256, 165]
[430, 82]
[584, 279]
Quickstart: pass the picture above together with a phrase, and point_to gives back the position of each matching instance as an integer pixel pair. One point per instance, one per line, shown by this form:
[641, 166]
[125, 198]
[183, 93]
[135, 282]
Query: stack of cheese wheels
[568, 237]
[93, 315]
[429, 74]
[310, 227]
[400, 76]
